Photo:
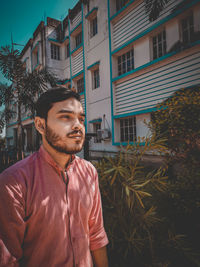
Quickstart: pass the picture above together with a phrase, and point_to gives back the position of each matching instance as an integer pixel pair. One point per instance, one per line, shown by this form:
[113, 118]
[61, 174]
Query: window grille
[159, 45]
[55, 52]
[128, 129]
[126, 62]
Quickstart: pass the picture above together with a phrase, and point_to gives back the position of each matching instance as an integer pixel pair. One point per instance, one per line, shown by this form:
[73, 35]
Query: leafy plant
[25, 87]
[154, 7]
[178, 121]
[150, 217]
[127, 184]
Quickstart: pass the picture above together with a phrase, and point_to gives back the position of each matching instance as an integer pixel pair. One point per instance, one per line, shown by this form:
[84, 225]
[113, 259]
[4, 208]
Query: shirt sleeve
[12, 225]
[98, 237]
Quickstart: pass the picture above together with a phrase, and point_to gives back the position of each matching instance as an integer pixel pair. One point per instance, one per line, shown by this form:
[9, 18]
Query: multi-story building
[120, 62]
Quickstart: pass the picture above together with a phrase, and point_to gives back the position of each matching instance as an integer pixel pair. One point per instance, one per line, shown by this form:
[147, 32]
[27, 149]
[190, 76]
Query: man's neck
[61, 159]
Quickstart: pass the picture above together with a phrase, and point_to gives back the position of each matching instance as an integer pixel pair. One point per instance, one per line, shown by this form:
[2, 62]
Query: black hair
[54, 95]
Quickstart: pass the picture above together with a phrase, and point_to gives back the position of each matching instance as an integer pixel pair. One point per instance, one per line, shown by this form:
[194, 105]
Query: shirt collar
[48, 158]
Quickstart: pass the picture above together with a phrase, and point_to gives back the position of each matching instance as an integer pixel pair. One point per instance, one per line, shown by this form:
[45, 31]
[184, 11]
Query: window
[97, 126]
[120, 4]
[80, 85]
[67, 51]
[78, 39]
[35, 56]
[96, 79]
[93, 27]
[128, 129]
[55, 52]
[159, 45]
[25, 65]
[187, 28]
[88, 6]
[126, 62]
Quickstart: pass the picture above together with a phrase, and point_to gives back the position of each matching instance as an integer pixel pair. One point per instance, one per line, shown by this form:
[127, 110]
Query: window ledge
[76, 76]
[121, 10]
[96, 120]
[76, 30]
[127, 143]
[92, 13]
[93, 66]
[77, 49]
[51, 40]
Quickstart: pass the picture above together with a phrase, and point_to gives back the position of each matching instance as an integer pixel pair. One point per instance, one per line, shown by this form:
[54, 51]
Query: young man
[50, 204]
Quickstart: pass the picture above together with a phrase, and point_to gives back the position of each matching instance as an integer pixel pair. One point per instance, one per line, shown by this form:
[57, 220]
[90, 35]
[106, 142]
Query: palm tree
[24, 88]
[154, 7]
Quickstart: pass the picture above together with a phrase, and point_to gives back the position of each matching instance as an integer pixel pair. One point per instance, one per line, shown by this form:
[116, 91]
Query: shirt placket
[65, 178]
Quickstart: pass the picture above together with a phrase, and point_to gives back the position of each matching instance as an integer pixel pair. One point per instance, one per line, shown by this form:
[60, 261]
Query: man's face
[65, 130]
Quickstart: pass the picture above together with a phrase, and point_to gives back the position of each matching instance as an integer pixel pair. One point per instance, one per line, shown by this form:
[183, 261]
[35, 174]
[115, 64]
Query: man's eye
[82, 119]
[65, 117]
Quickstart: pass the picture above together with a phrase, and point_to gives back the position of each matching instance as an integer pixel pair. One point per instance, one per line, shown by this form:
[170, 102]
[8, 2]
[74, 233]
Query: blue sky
[21, 17]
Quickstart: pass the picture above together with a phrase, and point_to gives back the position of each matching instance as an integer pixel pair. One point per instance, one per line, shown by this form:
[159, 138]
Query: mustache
[75, 132]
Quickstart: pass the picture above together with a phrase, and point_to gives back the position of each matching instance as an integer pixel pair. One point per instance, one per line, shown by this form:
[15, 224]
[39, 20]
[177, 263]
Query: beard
[56, 142]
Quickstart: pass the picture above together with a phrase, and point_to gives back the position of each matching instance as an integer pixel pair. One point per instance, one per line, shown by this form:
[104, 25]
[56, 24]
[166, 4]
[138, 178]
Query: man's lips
[75, 135]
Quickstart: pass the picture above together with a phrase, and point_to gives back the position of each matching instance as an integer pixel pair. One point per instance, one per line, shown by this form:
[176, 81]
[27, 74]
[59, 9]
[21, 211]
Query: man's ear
[40, 125]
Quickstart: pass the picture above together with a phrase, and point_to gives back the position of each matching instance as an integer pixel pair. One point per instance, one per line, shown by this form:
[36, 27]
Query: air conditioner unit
[103, 134]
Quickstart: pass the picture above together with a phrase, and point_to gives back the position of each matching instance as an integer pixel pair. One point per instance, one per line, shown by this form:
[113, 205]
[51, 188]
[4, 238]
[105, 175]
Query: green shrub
[178, 121]
[127, 184]
[151, 220]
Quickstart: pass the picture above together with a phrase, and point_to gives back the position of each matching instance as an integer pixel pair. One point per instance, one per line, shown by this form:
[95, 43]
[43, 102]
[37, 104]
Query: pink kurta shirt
[49, 217]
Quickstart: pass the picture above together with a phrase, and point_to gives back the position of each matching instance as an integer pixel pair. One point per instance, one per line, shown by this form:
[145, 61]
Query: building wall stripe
[154, 94]
[111, 85]
[85, 101]
[156, 88]
[142, 111]
[156, 25]
[125, 29]
[76, 22]
[77, 63]
[138, 97]
[143, 105]
[70, 59]
[142, 85]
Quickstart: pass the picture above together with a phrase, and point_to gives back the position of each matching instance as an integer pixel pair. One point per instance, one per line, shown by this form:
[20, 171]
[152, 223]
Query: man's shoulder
[85, 163]
[22, 166]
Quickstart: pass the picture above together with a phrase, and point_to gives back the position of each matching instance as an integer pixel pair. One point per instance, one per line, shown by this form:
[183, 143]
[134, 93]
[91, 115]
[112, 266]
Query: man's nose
[76, 124]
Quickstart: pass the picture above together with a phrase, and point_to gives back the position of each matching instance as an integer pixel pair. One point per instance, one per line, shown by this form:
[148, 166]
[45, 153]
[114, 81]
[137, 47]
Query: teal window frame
[128, 129]
[55, 51]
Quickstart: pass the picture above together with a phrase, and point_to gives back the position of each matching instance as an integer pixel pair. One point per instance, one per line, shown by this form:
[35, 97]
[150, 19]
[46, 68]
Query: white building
[121, 63]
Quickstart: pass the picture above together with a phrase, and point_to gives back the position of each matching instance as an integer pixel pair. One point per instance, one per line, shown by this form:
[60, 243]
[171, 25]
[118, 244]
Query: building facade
[120, 62]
